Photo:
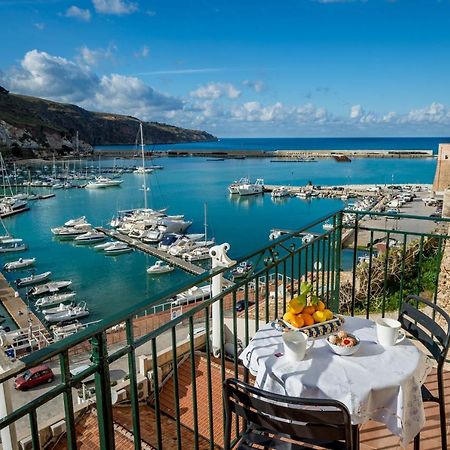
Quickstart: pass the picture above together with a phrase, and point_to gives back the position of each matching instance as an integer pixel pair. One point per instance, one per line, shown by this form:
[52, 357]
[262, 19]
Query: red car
[34, 377]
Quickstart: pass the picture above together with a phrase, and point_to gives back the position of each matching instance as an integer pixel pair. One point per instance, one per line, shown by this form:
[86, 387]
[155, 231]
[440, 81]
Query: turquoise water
[108, 284]
[267, 144]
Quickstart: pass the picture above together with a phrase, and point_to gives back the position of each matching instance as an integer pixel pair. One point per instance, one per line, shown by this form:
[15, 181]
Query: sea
[185, 186]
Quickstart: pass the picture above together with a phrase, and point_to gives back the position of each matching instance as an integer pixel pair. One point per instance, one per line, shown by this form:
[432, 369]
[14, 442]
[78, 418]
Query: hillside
[34, 126]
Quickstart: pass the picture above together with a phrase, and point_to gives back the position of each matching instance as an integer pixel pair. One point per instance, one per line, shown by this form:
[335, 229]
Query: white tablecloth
[376, 383]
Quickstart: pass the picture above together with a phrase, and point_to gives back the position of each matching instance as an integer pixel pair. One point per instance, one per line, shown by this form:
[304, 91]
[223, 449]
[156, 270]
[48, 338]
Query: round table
[378, 383]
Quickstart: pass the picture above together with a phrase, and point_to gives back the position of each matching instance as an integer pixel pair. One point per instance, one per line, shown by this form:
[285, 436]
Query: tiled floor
[376, 436]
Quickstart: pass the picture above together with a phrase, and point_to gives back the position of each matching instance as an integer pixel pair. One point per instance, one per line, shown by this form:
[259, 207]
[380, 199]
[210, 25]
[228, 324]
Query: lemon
[328, 314]
[319, 316]
[289, 317]
[297, 304]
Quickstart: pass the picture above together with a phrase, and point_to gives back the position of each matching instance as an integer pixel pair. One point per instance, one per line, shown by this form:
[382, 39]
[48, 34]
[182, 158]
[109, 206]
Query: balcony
[151, 376]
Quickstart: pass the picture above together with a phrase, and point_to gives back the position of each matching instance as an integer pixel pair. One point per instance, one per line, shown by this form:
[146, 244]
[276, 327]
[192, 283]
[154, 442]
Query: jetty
[16, 306]
[306, 155]
[153, 251]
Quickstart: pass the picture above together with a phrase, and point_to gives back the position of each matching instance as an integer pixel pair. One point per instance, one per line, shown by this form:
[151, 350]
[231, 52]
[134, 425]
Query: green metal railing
[311, 253]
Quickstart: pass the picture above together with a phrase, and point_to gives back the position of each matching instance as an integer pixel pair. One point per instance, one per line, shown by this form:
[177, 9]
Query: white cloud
[78, 13]
[214, 91]
[143, 52]
[115, 7]
[209, 108]
[257, 85]
[39, 26]
[92, 57]
[60, 79]
[150, 13]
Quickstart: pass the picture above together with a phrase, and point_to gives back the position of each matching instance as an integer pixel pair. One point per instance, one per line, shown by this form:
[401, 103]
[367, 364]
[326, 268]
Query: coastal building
[442, 175]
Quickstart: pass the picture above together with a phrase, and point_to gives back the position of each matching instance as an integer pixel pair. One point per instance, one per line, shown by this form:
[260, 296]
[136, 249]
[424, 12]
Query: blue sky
[239, 68]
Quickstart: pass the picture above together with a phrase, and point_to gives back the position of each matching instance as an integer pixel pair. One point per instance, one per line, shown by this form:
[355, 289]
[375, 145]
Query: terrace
[362, 264]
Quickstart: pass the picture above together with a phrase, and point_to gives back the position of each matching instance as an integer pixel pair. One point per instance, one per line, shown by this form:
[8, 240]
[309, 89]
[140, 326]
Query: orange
[320, 306]
[309, 310]
[307, 318]
[298, 321]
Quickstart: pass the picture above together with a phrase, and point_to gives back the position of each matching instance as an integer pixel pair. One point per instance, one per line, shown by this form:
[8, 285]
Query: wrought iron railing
[356, 279]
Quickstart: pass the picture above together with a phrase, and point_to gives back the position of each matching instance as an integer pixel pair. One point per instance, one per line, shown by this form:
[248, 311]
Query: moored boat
[53, 286]
[159, 267]
[19, 264]
[117, 248]
[90, 237]
[32, 279]
[75, 312]
[54, 299]
[12, 245]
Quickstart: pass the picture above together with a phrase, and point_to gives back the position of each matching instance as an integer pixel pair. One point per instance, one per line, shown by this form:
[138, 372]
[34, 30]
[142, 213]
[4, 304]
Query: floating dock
[174, 260]
[16, 307]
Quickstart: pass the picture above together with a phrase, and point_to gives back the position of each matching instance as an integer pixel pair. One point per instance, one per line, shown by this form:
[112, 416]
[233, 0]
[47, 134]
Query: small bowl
[345, 351]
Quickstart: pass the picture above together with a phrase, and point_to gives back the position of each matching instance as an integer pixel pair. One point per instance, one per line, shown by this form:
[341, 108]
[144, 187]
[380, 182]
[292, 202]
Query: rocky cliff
[34, 126]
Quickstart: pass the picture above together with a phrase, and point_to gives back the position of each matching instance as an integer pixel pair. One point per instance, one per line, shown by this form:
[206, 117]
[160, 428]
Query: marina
[245, 222]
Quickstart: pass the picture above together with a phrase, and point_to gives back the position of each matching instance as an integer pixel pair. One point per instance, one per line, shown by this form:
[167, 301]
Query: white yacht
[117, 248]
[90, 237]
[75, 312]
[185, 244]
[251, 188]
[32, 279]
[103, 182]
[159, 267]
[141, 170]
[48, 288]
[165, 226]
[303, 195]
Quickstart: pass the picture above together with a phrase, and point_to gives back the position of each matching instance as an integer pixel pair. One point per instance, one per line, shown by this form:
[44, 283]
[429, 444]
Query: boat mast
[143, 165]
[206, 223]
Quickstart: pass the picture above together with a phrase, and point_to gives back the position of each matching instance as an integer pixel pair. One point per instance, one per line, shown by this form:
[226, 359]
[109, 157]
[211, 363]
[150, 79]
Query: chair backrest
[424, 328]
[303, 420]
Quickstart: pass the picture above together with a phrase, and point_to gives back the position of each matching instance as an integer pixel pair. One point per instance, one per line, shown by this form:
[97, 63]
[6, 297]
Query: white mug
[388, 332]
[296, 345]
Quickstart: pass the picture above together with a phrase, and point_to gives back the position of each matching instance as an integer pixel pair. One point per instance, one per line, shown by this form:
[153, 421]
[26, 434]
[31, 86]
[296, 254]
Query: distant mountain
[32, 126]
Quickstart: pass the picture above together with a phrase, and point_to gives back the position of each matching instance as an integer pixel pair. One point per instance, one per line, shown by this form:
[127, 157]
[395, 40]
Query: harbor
[98, 276]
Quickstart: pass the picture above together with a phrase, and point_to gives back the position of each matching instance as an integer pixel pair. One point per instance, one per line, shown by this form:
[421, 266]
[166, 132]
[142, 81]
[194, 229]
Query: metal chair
[436, 340]
[285, 423]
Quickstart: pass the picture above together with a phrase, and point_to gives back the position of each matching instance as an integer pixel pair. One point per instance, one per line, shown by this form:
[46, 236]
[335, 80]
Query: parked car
[34, 377]
[240, 305]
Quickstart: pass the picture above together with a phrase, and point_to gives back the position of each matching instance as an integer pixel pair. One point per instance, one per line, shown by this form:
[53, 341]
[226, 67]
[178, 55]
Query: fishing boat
[75, 312]
[90, 238]
[242, 270]
[54, 299]
[48, 288]
[32, 279]
[159, 267]
[251, 188]
[279, 192]
[327, 226]
[117, 248]
[19, 264]
[233, 188]
[12, 245]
